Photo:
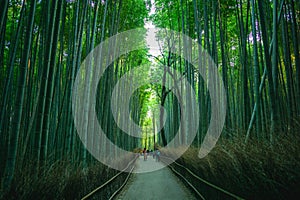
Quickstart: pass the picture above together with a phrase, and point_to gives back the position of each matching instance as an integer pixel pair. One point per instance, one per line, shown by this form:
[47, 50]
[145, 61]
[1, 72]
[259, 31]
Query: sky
[151, 29]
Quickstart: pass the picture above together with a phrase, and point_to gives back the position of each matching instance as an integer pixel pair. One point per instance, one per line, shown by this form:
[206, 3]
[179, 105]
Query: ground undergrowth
[256, 170]
[63, 180]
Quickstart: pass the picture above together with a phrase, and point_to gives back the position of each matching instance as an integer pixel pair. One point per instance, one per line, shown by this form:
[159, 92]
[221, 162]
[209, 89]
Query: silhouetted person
[145, 154]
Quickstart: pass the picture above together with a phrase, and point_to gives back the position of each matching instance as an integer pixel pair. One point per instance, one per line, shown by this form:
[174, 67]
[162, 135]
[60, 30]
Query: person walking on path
[157, 155]
[145, 154]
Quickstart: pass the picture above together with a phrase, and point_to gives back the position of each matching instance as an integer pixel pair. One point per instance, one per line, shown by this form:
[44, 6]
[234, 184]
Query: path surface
[160, 184]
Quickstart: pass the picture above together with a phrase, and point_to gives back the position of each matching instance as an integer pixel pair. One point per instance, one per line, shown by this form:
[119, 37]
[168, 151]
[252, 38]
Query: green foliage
[42, 65]
[133, 14]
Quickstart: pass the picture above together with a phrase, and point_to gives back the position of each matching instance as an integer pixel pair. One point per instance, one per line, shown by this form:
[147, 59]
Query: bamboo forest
[150, 99]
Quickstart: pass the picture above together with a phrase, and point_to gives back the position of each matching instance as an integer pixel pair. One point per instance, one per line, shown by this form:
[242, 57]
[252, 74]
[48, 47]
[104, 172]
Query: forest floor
[159, 184]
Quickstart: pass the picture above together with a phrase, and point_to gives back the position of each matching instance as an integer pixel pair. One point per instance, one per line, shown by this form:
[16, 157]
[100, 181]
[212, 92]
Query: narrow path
[160, 184]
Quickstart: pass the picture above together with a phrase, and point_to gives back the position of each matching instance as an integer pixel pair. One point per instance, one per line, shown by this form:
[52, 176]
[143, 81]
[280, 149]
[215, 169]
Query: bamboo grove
[42, 46]
[255, 45]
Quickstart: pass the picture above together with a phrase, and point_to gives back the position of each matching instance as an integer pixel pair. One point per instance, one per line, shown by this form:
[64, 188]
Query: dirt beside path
[160, 184]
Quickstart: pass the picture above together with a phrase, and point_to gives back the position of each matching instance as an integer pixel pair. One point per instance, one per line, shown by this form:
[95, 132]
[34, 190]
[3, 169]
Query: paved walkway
[156, 185]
